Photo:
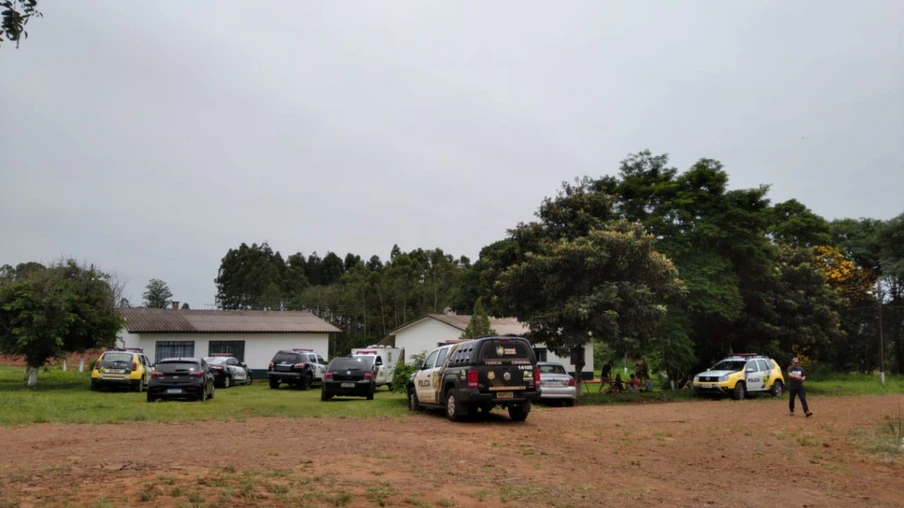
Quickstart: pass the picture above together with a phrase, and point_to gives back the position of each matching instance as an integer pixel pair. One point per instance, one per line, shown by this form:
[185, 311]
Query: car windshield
[215, 359]
[117, 357]
[505, 350]
[357, 363]
[176, 367]
[732, 365]
[552, 369]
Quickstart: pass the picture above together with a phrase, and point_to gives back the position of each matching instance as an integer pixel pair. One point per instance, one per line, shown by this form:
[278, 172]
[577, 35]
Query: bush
[403, 371]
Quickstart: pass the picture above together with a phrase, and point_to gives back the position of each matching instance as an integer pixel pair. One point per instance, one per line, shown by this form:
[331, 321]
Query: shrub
[404, 370]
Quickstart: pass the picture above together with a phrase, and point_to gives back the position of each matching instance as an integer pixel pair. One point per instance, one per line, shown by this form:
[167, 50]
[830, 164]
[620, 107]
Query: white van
[385, 361]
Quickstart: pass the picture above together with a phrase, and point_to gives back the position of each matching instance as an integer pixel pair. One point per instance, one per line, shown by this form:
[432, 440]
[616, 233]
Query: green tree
[186, 306]
[793, 223]
[61, 309]
[248, 272]
[157, 294]
[578, 272]
[15, 15]
[479, 323]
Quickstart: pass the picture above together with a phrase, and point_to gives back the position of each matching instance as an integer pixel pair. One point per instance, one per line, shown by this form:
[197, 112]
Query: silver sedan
[556, 384]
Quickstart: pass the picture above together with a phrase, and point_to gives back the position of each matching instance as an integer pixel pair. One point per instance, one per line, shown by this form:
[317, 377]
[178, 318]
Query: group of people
[639, 382]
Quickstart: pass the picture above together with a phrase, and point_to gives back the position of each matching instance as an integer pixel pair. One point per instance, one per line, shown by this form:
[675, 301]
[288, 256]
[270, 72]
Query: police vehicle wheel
[778, 389]
[740, 391]
[413, 403]
[226, 381]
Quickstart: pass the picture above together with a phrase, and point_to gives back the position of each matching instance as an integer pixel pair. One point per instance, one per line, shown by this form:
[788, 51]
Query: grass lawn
[65, 397]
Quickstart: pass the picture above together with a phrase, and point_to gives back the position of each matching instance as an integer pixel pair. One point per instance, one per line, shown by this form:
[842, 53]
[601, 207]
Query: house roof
[502, 326]
[140, 320]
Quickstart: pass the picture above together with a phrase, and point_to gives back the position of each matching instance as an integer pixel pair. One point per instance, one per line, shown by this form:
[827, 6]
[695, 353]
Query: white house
[432, 330]
[250, 336]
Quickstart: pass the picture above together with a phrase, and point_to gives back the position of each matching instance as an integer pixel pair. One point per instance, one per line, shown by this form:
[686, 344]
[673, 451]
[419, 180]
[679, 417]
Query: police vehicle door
[320, 368]
[238, 373]
[379, 371]
[753, 376]
[424, 383]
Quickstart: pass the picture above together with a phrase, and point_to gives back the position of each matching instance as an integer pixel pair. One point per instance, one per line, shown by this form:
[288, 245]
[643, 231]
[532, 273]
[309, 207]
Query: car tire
[740, 391]
[454, 410]
[325, 396]
[777, 389]
[138, 386]
[151, 398]
[94, 386]
[306, 382]
[249, 378]
[227, 381]
[212, 391]
[519, 413]
[274, 383]
[370, 394]
[414, 405]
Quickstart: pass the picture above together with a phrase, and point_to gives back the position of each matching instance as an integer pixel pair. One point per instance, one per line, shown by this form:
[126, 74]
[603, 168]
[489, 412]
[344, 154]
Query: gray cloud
[152, 137]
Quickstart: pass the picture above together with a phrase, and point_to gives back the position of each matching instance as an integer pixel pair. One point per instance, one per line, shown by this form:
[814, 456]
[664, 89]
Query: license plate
[174, 390]
[706, 386]
[505, 395]
[348, 385]
[114, 371]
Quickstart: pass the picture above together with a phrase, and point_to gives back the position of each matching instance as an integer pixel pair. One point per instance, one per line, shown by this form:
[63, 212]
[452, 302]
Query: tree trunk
[31, 376]
[65, 364]
[81, 364]
[578, 353]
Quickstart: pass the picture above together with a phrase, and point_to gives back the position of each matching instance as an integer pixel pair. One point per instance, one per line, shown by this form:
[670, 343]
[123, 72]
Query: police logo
[491, 375]
[500, 350]
[507, 376]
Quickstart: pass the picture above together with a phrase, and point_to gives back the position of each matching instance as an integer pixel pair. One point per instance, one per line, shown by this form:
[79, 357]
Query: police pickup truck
[477, 374]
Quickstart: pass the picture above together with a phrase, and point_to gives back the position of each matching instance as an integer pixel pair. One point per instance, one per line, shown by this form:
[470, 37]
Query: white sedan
[556, 384]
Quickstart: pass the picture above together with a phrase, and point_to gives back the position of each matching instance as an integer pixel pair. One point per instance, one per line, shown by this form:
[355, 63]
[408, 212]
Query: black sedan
[351, 376]
[181, 378]
[228, 370]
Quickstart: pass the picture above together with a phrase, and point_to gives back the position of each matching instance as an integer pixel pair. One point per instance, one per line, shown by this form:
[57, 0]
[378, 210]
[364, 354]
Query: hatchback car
[351, 376]
[181, 378]
[121, 367]
[556, 384]
[739, 375]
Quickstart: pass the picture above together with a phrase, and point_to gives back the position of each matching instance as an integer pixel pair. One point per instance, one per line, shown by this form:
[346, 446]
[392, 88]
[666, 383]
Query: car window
[285, 357]
[770, 363]
[117, 357]
[428, 363]
[762, 364]
[176, 367]
[346, 363]
[505, 350]
[321, 360]
[441, 357]
[732, 365]
[379, 361]
[552, 369]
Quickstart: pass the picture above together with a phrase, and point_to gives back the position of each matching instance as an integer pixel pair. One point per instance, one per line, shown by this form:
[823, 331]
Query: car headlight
[724, 377]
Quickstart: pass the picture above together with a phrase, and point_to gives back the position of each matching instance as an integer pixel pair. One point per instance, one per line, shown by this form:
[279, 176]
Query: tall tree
[247, 272]
[479, 324]
[579, 272]
[157, 294]
[15, 15]
[62, 309]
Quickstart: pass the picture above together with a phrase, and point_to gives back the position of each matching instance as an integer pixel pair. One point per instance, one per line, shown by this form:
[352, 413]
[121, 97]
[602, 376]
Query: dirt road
[706, 453]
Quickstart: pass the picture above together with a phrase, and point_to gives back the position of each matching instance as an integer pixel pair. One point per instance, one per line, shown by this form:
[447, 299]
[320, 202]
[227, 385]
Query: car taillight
[328, 374]
[196, 373]
[216, 367]
[134, 366]
[368, 375]
[571, 381]
[537, 377]
[156, 373]
[472, 378]
[270, 367]
[300, 365]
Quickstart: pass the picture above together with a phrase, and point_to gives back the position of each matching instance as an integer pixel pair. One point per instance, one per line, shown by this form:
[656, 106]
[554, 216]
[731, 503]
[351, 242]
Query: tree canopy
[14, 16]
[157, 295]
[47, 312]
[479, 324]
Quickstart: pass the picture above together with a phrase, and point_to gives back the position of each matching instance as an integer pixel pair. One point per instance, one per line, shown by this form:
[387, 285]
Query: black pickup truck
[478, 374]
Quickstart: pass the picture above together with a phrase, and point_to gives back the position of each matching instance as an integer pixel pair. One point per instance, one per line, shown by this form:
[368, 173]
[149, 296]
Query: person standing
[797, 376]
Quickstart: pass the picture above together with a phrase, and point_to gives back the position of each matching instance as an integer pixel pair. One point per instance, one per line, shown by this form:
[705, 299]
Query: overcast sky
[151, 137]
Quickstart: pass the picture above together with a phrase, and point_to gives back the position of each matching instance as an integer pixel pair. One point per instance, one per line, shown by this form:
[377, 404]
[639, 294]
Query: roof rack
[221, 354]
[302, 349]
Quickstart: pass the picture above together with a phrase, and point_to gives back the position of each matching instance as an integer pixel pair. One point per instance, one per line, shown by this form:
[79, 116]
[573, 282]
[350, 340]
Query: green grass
[854, 384]
[65, 397]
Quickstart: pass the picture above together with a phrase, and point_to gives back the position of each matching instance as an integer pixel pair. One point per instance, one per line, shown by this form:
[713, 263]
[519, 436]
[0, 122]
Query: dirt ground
[703, 453]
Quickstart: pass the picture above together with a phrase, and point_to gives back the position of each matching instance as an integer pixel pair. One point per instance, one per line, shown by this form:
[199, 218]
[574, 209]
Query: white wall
[422, 336]
[259, 347]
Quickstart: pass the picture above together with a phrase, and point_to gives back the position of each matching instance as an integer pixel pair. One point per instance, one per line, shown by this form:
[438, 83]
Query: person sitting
[648, 386]
[633, 384]
[618, 386]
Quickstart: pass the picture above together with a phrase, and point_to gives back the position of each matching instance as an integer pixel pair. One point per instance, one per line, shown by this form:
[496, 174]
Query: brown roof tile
[139, 320]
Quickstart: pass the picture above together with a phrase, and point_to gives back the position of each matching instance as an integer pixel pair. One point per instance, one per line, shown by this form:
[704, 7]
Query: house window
[174, 349]
[540, 353]
[235, 348]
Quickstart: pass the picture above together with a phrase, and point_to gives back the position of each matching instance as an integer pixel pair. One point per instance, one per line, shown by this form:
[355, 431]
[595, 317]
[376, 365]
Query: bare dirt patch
[706, 453]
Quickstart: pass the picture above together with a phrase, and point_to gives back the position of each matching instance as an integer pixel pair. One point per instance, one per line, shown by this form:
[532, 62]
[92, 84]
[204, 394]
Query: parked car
[181, 378]
[477, 374]
[740, 374]
[556, 384]
[386, 358]
[228, 370]
[121, 367]
[296, 367]
[349, 376]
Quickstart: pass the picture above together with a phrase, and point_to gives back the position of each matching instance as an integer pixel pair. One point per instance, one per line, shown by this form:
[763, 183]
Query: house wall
[424, 335]
[259, 347]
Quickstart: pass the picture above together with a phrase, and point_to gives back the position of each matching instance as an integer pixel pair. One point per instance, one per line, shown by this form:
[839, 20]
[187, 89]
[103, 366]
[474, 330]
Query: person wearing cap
[797, 376]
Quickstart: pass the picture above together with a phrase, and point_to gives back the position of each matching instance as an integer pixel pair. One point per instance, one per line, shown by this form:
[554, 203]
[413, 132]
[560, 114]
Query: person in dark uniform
[604, 376]
[796, 378]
